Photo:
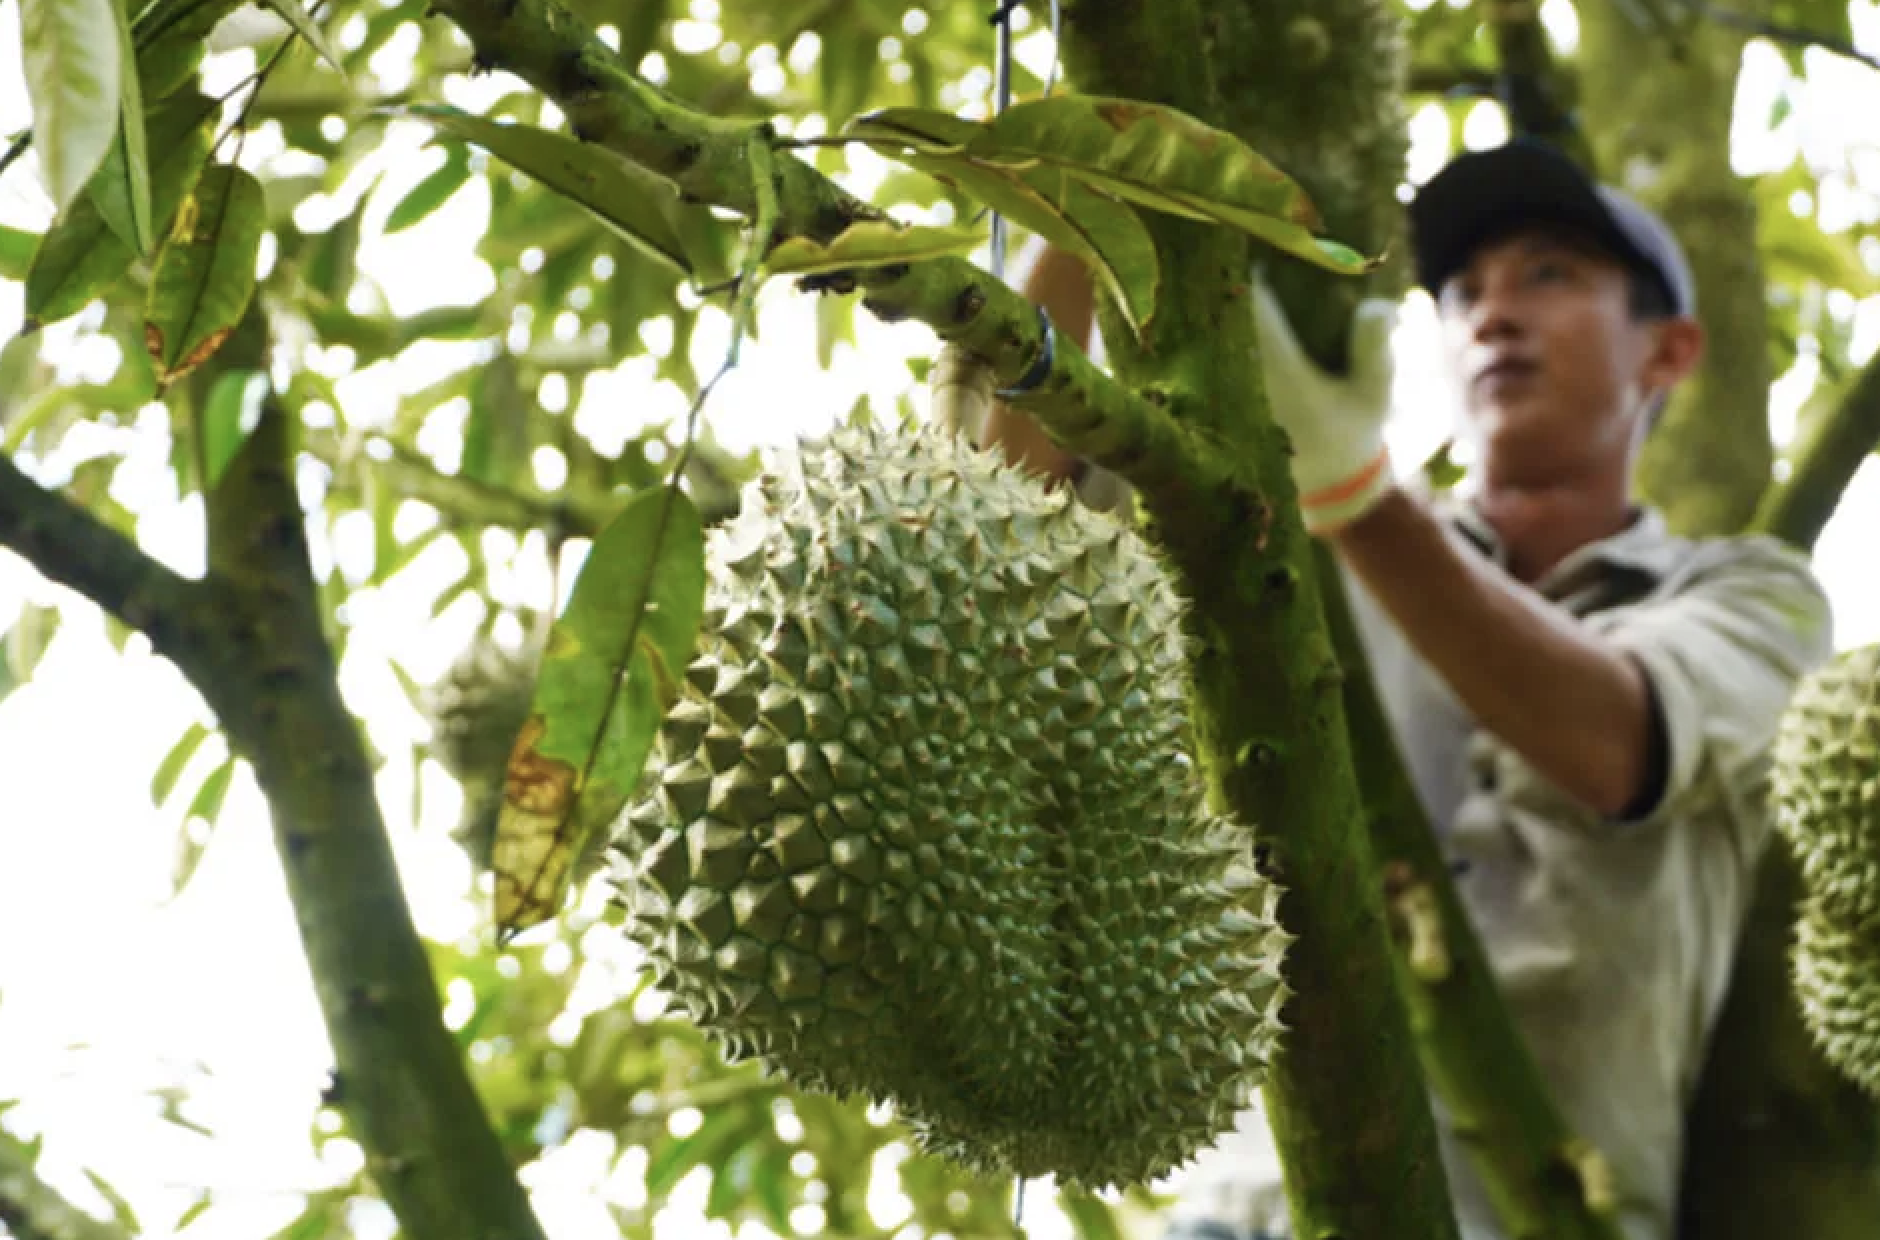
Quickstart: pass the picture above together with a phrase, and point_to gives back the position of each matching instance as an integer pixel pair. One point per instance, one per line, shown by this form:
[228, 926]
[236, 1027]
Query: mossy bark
[1777, 1142]
[1659, 125]
[250, 638]
[1780, 1142]
[1347, 1102]
[31, 1209]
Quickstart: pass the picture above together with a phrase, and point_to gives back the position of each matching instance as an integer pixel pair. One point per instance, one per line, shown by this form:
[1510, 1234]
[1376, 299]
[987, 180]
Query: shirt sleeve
[1722, 655]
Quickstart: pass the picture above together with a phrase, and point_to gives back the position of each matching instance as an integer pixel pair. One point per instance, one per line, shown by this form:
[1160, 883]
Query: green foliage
[592, 264]
[610, 671]
[74, 81]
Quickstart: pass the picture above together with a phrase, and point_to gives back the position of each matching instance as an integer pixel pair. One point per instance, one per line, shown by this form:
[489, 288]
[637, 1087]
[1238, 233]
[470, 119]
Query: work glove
[1336, 422]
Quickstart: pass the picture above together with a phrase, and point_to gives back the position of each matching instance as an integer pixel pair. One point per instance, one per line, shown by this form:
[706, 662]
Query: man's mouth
[1504, 372]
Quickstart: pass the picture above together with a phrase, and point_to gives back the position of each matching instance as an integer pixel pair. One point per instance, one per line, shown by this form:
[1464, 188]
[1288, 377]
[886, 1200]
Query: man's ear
[1677, 348]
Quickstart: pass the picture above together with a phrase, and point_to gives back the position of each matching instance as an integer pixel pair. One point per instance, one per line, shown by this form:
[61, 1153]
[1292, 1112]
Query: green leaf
[205, 273]
[72, 79]
[1151, 155]
[432, 192]
[835, 323]
[16, 252]
[79, 257]
[1090, 1217]
[170, 36]
[206, 807]
[1108, 235]
[171, 768]
[195, 1211]
[122, 186]
[722, 1131]
[304, 25]
[495, 442]
[26, 644]
[228, 417]
[120, 1208]
[207, 804]
[640, 206]
[611, 668]
[847, 66]
[869, 243]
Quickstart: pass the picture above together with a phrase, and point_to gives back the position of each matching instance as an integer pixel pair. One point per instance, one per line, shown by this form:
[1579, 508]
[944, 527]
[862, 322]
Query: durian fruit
[923, 826]
[1825, 792]
[1837, 986]
[475, 709]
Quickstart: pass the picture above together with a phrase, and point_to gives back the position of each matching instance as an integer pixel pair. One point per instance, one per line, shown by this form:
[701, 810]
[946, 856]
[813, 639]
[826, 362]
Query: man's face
[1555, 372]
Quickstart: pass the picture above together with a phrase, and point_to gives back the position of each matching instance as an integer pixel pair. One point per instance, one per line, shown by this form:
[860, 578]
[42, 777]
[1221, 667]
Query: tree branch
[1536, 1173]
[1778, 32]
[400, 1077]
[1797, 509]
[1435, 79]
[73, 548]
[30, 1209]
[1084, 410]
[1532, 86]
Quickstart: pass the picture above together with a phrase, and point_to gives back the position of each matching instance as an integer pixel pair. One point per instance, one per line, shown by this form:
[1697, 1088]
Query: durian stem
[1087, 412]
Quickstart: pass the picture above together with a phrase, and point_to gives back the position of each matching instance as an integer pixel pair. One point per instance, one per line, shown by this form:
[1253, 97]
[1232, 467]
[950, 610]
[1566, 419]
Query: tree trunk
[1777, 1142]
[1660, 129]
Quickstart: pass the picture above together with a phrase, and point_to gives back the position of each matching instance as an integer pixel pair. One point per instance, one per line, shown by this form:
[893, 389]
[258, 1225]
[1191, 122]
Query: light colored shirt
[1612, 941]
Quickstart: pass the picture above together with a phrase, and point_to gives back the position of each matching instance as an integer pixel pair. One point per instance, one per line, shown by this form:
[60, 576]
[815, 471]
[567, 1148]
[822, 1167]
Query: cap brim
[1483, 192]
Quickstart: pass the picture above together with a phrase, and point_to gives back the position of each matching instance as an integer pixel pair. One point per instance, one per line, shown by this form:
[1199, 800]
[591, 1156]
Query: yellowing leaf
[611, 669]
[71, 51]
[869, 243]
[643, 207]
[205, 273]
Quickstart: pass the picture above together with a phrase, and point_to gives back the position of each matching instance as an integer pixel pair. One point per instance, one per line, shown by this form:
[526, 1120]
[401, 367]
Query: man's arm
[1573, 705]
[1059, 282]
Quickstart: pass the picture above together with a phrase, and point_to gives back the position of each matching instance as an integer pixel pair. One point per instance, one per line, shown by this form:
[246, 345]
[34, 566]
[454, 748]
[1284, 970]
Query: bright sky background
[107, 992]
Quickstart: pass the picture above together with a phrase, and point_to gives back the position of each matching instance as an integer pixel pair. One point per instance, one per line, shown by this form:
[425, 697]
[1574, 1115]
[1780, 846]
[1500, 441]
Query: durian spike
[961, 384]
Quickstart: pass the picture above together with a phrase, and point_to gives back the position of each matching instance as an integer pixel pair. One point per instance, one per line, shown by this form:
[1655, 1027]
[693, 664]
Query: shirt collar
[1645, 547]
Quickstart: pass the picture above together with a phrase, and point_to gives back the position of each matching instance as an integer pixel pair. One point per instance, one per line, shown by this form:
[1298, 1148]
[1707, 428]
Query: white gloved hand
[1340, 463]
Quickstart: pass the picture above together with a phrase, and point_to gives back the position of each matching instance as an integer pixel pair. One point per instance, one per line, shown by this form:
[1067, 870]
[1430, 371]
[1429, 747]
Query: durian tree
[262, 138]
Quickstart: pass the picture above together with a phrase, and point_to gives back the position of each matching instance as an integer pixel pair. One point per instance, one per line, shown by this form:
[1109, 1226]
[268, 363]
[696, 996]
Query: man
[1584, 701]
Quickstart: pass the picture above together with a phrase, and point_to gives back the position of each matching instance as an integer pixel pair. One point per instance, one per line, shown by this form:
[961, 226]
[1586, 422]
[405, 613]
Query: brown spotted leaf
[205, 273]
[610, 671]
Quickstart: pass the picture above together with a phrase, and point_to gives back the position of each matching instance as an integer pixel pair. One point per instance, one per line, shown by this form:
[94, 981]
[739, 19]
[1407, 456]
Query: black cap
[1483, 192]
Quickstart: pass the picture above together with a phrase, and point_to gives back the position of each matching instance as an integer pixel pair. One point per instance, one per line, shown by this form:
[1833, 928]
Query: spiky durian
[1837, 986]
[924, 826]
[1825, 791]
[1825, 784]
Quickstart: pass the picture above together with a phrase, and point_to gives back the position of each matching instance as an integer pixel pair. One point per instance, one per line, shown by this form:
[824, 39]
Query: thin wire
[1002, 98]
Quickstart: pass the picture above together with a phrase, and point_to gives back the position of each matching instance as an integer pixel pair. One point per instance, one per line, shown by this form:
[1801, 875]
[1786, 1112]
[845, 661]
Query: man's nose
[1496, 312]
